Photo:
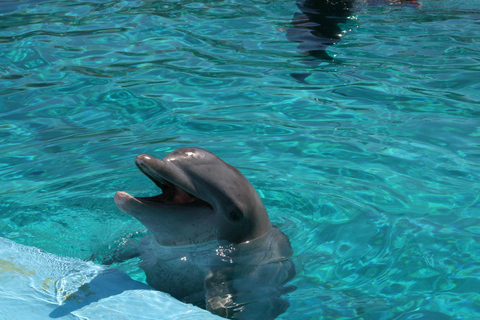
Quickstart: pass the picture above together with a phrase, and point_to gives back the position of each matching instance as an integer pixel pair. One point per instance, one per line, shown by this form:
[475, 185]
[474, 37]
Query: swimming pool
[369, 162]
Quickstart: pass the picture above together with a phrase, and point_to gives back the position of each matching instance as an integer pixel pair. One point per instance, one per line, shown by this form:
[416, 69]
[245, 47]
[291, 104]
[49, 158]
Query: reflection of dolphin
[316, 26]
[213, 244]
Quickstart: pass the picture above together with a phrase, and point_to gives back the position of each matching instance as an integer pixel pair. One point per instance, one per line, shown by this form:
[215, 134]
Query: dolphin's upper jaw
[171, 193]
[169, 190]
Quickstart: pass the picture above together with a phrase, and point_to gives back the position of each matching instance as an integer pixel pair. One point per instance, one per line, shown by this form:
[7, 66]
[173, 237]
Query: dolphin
[212, 243]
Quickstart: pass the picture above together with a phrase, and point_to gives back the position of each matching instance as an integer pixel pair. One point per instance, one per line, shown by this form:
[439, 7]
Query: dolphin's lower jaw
[123, 201]
[172, 224]
[175, 196]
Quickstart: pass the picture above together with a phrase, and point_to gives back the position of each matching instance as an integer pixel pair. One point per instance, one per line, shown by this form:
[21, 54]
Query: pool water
[367, 157]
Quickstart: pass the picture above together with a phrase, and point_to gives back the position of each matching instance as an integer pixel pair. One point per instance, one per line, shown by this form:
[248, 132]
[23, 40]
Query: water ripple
[368, 162]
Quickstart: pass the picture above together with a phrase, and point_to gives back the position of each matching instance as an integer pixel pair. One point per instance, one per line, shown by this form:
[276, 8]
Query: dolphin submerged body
[212, 242]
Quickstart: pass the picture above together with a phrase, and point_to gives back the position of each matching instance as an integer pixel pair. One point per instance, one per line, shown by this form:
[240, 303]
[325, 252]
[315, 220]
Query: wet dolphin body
[213, 244]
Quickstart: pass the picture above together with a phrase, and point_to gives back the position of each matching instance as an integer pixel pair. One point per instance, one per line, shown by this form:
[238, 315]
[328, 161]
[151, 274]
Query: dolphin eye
[235, 216]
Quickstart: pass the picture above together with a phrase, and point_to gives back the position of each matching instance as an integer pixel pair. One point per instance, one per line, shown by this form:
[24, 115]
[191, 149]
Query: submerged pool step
[39, 285]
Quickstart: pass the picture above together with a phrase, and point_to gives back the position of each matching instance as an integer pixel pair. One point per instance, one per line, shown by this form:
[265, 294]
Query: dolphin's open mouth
[174, 190]
[171, 194]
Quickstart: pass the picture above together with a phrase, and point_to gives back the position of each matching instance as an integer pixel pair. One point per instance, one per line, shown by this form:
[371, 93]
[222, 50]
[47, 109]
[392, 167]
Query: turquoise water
[370, 163]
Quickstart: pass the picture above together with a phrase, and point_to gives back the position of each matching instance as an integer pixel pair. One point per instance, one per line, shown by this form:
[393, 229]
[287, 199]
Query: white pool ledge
[39, 285]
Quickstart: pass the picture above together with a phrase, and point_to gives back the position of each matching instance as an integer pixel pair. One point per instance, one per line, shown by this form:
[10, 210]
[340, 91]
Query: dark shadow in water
[12, 6]
[235, 281]
[317, 26]
[244, 291]
[109, 282]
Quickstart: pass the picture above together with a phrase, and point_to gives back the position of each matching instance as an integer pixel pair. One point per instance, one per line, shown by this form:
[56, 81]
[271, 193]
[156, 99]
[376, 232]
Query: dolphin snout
[142, 159]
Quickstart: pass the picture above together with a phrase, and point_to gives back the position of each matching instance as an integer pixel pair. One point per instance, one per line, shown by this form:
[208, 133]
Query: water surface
[369, 162]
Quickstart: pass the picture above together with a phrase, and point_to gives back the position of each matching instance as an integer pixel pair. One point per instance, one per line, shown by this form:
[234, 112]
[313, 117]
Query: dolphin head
[203, 199]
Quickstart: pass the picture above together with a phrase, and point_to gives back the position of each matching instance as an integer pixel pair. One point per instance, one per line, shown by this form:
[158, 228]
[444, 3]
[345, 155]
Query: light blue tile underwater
[39, 285]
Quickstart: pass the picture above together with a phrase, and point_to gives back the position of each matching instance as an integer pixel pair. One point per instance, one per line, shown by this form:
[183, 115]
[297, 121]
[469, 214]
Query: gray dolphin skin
[212, 242]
